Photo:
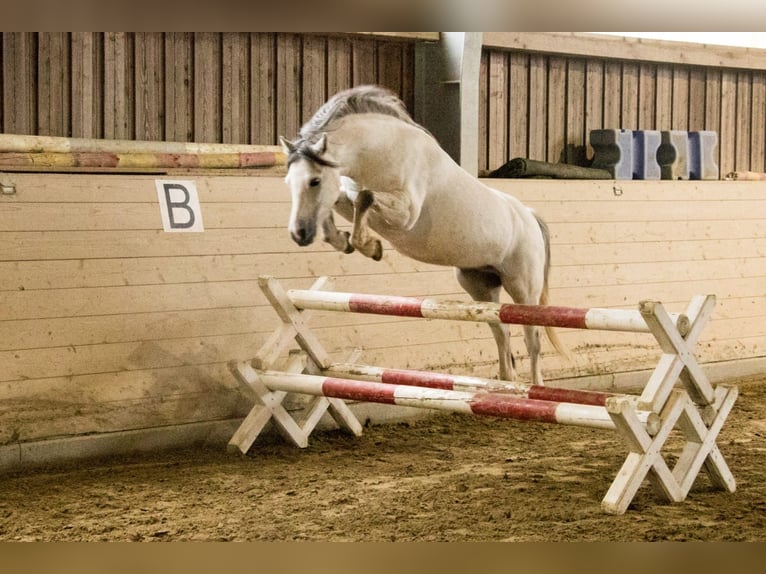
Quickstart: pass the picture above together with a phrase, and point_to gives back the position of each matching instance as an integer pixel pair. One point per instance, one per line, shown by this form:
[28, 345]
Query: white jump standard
[695, 407]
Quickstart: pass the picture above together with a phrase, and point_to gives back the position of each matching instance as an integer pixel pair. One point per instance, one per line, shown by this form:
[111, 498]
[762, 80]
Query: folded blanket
[521, 167]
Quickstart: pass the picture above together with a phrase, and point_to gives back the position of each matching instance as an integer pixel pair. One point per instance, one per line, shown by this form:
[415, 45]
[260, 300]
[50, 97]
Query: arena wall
[115, 335]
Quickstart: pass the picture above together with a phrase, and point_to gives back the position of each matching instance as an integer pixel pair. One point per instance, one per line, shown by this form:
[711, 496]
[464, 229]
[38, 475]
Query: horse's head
[314, 182]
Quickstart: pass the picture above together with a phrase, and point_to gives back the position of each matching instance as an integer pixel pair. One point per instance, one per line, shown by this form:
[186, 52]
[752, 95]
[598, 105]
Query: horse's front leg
[360, 237]
[335, 237]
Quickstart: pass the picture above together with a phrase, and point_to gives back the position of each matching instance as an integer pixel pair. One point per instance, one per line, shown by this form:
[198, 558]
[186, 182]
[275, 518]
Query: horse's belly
[451, 248]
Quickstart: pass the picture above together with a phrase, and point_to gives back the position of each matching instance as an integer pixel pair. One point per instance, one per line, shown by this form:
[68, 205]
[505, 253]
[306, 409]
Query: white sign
[179, 205]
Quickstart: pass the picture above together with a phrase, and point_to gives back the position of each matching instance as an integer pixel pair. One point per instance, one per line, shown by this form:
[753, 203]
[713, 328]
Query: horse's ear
[321, 145]
[286, 145]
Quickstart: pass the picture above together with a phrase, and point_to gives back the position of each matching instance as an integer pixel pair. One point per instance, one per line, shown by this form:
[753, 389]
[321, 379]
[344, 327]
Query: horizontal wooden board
[20, 245]
[234, 187]
[628, 48]
[114, 272]
[135, 216]
[660, 251]
[102, 272]
[174, 297]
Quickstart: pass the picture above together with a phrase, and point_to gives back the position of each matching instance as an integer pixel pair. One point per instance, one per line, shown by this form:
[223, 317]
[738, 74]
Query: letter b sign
[179, 205]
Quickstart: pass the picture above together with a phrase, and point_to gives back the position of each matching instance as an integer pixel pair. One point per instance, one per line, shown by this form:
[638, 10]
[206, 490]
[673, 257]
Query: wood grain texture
[109, 324]
[541, 93]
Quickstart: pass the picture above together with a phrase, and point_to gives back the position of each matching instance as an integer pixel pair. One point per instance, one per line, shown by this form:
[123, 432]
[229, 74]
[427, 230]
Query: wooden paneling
[87, 84]
[180, 86]
[555, 100]
[109, 324]
[119, 83]
[540, 94]
[626, 48]
[19, 83]
[150, 86]
[54, 76]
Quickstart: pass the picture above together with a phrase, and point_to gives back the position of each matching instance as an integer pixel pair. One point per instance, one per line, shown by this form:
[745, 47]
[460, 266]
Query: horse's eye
[315, 182]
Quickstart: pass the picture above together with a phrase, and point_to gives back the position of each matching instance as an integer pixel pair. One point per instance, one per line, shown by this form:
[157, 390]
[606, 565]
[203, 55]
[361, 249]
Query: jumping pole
[695, 407]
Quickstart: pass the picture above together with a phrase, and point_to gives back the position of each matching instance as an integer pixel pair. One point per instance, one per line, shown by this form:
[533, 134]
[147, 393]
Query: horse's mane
[358, 100]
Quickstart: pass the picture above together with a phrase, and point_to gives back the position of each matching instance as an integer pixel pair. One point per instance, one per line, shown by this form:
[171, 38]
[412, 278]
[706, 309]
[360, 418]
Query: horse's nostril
[302, 236]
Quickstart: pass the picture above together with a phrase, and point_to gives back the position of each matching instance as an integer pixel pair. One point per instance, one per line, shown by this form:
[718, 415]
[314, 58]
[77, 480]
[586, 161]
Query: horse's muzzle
[303, 235]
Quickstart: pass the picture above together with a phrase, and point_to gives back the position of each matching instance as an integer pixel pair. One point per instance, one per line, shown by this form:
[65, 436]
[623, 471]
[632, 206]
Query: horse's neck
[373, 149]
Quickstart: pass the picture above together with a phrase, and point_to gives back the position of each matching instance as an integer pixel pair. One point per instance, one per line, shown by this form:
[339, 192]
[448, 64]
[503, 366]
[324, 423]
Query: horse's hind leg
[485, 286]
[523, 296]
[360, 237]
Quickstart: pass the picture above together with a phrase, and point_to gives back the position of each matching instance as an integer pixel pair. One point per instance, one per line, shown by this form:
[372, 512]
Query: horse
[363, 156]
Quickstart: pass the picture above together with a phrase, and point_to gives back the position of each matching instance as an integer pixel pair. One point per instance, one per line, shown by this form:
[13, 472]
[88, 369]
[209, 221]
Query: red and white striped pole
[542, 315]
[468, 402]
[466, 383]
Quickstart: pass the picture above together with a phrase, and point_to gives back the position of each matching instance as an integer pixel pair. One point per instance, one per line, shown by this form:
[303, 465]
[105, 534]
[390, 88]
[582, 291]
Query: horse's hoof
[349, 248]
[377, 255]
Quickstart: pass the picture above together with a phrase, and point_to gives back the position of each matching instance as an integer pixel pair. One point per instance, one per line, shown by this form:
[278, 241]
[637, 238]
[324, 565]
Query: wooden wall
[172, 86]
[540, 93]
[110, 327]
[543, 106]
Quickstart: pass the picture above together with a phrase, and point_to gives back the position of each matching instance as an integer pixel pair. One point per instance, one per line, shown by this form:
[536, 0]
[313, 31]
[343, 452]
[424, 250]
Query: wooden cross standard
[695, 407]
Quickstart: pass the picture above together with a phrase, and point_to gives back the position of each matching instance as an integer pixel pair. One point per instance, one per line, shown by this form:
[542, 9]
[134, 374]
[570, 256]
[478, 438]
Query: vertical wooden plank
[54, 74]
[339, 65]
[647, 95]
[263, 89]
[390, 66]
[364, 63]
[680, 119]
[594, 102]
[179, 86]
[574, 150]
[612, 94]
[87, 50]
[696, 99]
[484, 115]
[518, 100]
[207, 87]
[119, 98]
[758, 123]
[315, 57]
[712, 99]
[497, 95]
[235, 120]
[288, 75]
[19, 84]
[713, 108]
[557, 108]
[150, 86]
[407, 92]
[3, 71]
[728, 134]
[664, 98]
[538, 107]
[629, 100]
[742, 122]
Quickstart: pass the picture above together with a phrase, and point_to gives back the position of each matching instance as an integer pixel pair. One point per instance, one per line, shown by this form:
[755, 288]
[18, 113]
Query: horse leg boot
[485, 286]
[335, 237]
[360, 238]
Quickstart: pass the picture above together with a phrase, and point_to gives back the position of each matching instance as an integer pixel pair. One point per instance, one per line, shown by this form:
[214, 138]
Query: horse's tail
[549, 331]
